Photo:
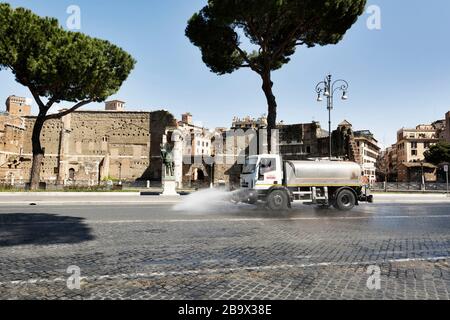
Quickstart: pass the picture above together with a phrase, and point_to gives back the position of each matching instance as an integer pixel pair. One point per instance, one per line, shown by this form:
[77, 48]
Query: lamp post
[446, 174]
[423, 176]
[120, 173]
[446, 169]
[328, 88]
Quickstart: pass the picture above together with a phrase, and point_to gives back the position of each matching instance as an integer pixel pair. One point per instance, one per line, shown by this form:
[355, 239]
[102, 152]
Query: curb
[68, 194]
[86, 203]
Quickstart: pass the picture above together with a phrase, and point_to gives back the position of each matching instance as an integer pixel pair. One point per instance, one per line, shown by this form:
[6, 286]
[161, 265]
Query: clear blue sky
[399, 76]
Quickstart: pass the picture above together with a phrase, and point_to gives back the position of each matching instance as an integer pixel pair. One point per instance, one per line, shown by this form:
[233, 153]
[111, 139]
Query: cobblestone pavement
[152, 252]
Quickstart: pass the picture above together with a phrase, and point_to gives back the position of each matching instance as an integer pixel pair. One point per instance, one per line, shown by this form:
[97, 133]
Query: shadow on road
[42, 229]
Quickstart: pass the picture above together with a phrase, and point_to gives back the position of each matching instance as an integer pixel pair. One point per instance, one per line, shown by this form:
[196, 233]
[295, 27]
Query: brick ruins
[85, 147]
[90, 147]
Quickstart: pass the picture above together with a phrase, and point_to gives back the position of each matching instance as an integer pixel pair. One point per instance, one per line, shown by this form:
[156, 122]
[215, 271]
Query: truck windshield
[250, 166]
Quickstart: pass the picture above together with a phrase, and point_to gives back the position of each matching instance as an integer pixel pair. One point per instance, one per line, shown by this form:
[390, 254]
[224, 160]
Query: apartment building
[411, 147]
[369, 152]
[413, 143]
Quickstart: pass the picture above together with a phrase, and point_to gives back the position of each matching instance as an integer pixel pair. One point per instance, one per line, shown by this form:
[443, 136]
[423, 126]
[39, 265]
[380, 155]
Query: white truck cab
[262, 171]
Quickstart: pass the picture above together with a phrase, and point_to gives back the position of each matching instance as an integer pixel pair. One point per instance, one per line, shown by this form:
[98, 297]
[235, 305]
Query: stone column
[104, 172]
[64, 147]
[177, 139]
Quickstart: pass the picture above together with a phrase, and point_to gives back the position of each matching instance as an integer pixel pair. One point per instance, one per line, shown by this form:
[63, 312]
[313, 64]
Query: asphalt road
[130, 198]
[221, 251]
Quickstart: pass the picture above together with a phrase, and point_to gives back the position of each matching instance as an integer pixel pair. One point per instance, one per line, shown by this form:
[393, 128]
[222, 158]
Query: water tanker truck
[325, 183]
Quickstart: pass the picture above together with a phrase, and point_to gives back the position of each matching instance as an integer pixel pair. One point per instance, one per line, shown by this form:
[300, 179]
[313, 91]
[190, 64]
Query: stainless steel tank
[322, 173]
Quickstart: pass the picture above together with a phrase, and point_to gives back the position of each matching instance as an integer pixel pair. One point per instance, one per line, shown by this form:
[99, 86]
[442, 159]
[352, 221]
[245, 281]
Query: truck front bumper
[366, 198]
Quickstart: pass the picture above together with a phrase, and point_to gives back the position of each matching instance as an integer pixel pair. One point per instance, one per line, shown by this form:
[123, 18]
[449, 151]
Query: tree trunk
[38, 153]
[272, 108]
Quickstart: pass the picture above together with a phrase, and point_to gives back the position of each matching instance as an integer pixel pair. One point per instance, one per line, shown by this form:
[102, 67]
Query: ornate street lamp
[327, 88]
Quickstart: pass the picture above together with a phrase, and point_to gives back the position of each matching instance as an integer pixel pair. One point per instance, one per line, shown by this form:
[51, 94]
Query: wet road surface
[218, 251]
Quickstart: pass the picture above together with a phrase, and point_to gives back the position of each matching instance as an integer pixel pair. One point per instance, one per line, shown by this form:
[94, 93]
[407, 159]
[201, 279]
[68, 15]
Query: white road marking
[132, 276]
[269, 219]
[149, 221]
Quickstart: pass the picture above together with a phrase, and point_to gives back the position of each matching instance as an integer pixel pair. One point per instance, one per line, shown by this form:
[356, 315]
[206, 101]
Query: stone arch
[72, 174]
[197, 175]
[200, 175]
[195, 168]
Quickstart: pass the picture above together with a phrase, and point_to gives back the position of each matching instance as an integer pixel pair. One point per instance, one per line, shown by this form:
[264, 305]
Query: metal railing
[409, 186]
[17, 184]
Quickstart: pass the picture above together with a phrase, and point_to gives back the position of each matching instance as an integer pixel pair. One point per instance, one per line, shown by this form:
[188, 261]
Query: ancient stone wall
[112, 145]
[160, 121]
[91, 146]
[299, 141]
[87, 146]
[11, 145]
[50, 140]
[50, 137]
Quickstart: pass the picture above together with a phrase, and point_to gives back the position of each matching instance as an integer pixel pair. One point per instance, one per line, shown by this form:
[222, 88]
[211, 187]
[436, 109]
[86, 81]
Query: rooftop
[102, 112]
[418, 165]
[16, 97]
[115, 101]
[345, 123]
[419, 128]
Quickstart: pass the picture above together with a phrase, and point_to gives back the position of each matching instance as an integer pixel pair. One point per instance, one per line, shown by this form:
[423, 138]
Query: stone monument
[168, 172]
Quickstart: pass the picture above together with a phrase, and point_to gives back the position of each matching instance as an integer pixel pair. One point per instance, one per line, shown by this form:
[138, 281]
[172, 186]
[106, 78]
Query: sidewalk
[82, 198]
[414, 198]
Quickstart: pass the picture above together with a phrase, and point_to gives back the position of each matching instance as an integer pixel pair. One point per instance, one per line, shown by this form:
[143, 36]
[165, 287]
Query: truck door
[268, 173]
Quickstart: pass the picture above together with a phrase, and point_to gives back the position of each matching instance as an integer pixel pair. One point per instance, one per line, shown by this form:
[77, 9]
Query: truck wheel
[278, 201]
[235, 199]
[345, 200]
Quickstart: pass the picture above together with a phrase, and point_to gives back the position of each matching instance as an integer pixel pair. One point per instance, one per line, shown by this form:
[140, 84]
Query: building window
[414, 145]
[414, 153]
